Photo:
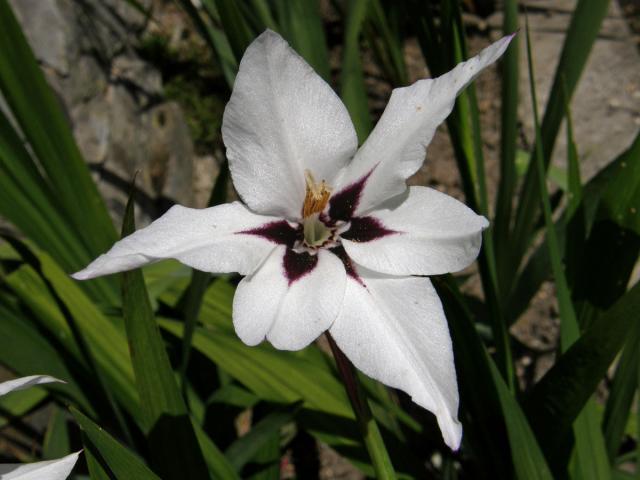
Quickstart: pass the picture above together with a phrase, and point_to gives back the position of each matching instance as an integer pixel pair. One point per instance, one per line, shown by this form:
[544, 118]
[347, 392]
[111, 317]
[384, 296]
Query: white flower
[58, 469]
[329, 236]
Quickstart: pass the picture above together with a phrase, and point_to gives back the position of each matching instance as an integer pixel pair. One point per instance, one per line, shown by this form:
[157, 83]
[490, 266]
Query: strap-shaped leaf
[113, 458]
[172, 440]
[591, 458]
[560, 395]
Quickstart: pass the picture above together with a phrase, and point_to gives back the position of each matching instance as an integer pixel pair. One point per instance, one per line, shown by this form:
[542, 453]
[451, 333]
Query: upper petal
[395, 331]
[26, 382]
[289, 300]
[58, 469]
[396, 147]
[209, 239]
[282, 118]
[429, 233]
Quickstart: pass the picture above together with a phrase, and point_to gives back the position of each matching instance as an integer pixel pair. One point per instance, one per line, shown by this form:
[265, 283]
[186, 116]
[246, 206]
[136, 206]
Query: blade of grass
[172, 441]
[592, 460]
[56, 442]
[359, 403]
[557, 399]
[606, 181]
[235, 26]
[73, 319]
[481, 411]
[301, 24]
[26, 351]
[528, 461]
[111, 456]
[27, 201]
[353, 89]
[508, 131]
[386, 41]
[623, 390]
[466, 122]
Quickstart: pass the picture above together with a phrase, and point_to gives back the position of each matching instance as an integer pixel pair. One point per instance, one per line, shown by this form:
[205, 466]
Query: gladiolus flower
[329, 236]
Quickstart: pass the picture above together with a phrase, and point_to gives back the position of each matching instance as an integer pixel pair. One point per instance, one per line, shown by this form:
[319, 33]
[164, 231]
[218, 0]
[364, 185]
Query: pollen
[317, 195]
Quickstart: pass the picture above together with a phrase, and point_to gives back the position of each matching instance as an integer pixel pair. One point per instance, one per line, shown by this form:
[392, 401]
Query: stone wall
[113, 100]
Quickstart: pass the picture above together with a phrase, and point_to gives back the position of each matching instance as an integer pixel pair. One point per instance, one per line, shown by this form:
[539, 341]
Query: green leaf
[592, 461]
[81, 327]
[26, 351]
[622, 393]
[508, 127]
[301, 24]
[235, 25]
[56, 442]
[538, 267]
[481, 411]
[528, 460]
[112, 456]
[172, 441]
[614, 240]
[557, 399]
[353, 88]
[383, 36]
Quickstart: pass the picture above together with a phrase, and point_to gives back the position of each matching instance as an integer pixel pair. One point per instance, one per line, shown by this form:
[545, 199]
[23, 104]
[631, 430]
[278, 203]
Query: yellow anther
[316, 197]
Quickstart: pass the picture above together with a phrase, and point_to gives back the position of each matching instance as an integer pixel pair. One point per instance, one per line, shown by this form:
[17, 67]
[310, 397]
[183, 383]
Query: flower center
[316, 233]
[316, 198]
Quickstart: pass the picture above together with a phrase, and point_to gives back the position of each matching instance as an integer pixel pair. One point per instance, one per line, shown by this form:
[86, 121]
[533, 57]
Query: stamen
[317, 195]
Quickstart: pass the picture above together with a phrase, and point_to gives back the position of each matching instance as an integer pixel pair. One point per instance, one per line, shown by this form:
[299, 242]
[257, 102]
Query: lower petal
[26, 382]
[218, 239]
[290, 310]
[395, 331]
[428, 233]
[50, 470]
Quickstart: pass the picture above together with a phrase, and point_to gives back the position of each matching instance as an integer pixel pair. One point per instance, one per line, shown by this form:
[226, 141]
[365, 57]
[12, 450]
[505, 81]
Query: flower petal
[50, 470]
[283, 118]
[209, 239]
[26, 382]
[290, 306]
[432, 233]
[395, 331]
[396, 147]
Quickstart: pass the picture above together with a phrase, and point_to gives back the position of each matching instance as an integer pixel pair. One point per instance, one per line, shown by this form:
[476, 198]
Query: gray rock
[113, 99]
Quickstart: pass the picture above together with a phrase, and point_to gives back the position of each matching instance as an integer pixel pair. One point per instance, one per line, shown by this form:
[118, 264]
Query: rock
[113, 100]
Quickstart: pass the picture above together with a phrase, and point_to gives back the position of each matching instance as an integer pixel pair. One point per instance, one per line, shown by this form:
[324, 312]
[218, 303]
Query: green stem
[367, 424]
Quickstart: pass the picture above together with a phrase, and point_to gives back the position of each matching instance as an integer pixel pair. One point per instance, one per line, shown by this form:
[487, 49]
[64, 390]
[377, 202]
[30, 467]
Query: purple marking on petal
[297, 265]
[366, 229]
[343, 204]
[279, 232]
[341, 253]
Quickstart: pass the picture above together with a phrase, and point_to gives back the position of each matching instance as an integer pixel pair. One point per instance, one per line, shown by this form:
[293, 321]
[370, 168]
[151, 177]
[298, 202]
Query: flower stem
[367, 424]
